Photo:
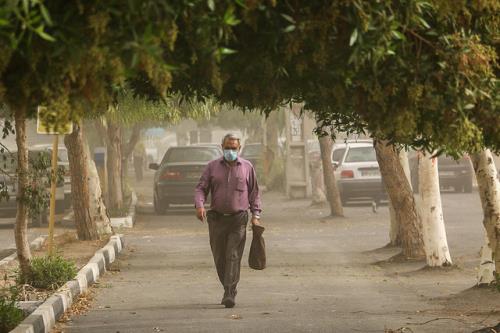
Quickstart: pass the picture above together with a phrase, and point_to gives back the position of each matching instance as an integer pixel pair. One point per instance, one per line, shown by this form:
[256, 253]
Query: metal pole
[53, 185]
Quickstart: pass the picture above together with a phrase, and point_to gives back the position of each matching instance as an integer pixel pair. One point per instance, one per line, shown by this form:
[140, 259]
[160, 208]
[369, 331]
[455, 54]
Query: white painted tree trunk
[435, 243]
[403, 158]
[97, 208]
[489, 192]
[485, 273]
[395, 231]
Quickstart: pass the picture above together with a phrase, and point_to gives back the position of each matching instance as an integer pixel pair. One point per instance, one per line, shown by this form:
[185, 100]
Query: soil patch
[67, 245]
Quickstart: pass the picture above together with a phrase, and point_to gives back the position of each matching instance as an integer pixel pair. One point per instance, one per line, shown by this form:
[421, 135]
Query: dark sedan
[178, 173]
[456, 174]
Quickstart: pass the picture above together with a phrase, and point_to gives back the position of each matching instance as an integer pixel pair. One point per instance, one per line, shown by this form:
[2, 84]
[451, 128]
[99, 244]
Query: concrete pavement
[322, 276]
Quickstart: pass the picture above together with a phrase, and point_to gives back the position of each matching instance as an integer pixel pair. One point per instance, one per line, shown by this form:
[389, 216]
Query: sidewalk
[322, 276]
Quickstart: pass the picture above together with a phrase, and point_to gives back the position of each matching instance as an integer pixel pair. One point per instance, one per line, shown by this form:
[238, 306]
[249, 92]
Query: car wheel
[159, 208]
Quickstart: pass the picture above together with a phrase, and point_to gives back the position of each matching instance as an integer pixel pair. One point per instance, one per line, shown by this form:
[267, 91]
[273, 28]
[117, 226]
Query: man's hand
[201, 214]
[255, 221]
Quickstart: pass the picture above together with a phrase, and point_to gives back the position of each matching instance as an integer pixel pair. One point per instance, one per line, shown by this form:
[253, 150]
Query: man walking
[232, 184]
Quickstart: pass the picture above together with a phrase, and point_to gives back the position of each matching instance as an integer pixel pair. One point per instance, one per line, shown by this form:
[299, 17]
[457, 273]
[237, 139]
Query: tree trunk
[395, 229]
[86, 227]
[332, 191]
[98, 210]
[127, 150]
[114, 166]
[434, 232]
[271, 142]
[486, 270]
[21, 228]
[489, 192]
[400, 193]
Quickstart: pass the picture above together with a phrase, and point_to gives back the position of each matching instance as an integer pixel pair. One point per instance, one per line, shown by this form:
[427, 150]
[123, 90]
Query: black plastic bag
[257, 256]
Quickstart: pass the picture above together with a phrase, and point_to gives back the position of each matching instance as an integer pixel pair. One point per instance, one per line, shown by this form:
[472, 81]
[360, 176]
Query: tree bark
[127, 150]
[86, 227]
[332, 190]
[434, 232]
[395, 228]
[486, 270]
[489, 192]
[401, 196]
[21, 227]
[271, 143]
[98, 210]
[114, 165]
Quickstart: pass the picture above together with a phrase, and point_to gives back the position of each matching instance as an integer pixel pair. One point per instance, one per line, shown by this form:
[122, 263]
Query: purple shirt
[232, 188]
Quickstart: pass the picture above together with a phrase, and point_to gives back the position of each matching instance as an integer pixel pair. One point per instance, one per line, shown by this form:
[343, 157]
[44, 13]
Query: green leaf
[45, 14]
[288, 18]
[45, 36]
[397, 34]
[225, 50]
[229, 17]
[3, 22]
[211, 5]
[424, 23]
[241, 3]
[290, 28]
[354, 37]
[469, 106]
[26, 6]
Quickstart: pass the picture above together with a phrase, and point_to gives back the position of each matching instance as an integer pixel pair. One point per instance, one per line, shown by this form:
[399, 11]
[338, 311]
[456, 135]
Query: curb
[129, 220]
[34, 245]
[45, 316]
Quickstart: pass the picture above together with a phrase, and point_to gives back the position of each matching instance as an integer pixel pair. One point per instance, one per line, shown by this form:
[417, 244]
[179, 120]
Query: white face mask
[230, 155]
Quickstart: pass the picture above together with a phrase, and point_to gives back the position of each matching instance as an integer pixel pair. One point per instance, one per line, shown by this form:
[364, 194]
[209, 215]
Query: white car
[357, 171]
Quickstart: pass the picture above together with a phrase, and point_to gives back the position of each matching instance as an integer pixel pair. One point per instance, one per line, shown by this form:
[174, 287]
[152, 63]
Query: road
[322, 276]
[7, 242]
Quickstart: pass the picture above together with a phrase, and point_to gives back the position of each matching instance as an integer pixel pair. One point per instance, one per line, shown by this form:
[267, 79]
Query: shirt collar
[222, 160]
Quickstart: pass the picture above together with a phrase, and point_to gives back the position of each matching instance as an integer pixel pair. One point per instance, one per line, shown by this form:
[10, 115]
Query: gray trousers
[227, 241]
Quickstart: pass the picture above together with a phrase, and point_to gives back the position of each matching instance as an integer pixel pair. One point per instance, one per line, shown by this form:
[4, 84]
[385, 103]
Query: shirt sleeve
[254, 194]
[202, 189]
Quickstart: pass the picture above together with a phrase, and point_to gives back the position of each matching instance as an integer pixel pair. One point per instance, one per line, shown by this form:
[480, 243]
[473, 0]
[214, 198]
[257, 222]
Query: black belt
[227, 214]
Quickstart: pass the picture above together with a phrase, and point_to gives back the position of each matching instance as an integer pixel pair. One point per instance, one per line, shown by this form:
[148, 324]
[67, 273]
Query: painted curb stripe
[45, 316]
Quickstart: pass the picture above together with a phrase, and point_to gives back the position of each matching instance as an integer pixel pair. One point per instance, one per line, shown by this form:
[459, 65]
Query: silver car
[357, 171]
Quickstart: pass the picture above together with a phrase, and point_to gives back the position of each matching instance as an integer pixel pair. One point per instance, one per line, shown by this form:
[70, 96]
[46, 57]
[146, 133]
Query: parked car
[457, 174]
[253, 153]
[357, 171]
[62, 163]
[9, 181]
[178, 174]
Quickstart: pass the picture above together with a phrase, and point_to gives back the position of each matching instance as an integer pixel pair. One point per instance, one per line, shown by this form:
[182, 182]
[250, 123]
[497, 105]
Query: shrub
[10, 315]
[49, 272]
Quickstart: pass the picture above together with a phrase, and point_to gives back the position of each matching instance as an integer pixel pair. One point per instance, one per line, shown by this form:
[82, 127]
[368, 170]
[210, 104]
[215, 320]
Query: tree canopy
[421, 73]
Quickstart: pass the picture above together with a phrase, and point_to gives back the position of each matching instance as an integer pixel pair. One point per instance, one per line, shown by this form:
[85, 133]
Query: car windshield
[338, 154]
[251, 150]
[361, 154]
[202, 154]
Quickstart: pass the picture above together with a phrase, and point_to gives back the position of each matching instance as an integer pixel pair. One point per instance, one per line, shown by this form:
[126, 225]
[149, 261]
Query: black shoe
[228, 301]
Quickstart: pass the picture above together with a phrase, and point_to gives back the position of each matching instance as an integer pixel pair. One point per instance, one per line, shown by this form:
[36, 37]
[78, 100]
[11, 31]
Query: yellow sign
[52, 122]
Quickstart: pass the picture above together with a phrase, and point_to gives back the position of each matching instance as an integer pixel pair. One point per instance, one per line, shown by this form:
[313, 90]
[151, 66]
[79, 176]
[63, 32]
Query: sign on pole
[52, 122]
[55, 123]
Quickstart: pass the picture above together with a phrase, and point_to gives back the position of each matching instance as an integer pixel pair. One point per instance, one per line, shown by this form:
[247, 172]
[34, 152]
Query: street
[7, 242]
[322, 276]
